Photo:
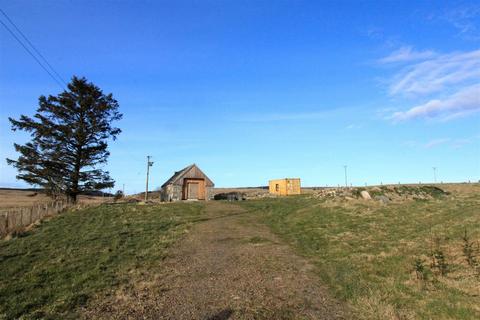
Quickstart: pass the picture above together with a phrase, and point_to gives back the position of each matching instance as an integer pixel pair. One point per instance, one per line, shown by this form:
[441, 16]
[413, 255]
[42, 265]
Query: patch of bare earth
[228, 267]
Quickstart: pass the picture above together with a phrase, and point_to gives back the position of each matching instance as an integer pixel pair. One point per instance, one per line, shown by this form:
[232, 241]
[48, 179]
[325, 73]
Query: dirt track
[228, 267]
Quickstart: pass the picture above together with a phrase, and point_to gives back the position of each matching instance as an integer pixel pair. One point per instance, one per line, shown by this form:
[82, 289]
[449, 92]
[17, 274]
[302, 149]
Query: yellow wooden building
[284, 187]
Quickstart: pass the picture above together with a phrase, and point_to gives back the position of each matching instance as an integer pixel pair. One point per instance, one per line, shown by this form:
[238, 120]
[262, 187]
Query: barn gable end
[190, 183]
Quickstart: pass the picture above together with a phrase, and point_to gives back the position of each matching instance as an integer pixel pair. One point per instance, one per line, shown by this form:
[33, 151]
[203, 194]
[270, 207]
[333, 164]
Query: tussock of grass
[51, 271]
[368, 254]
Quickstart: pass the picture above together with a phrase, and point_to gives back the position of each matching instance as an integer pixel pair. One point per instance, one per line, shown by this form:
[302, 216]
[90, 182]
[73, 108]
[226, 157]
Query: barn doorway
[194, 189]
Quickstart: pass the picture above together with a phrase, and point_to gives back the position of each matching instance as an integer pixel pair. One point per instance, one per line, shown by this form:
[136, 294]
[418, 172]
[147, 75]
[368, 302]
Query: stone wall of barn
[171, 193]
[209, 193]
[174, 193]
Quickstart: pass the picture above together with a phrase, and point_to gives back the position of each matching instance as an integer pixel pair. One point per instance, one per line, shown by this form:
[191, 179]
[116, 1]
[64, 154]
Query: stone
[365, 195]
[382, 199]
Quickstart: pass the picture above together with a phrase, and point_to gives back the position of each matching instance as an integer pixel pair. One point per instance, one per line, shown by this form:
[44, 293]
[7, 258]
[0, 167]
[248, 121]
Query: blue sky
[254, 90]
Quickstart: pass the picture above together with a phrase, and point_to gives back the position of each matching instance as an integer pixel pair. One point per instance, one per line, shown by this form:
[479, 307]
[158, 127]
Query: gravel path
[228, 267]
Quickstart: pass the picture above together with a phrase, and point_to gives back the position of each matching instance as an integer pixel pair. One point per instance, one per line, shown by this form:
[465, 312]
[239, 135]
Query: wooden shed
[284, 187]
[190, 183]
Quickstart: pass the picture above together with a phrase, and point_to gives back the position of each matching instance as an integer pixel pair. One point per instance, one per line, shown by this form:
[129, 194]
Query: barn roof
[191, 171]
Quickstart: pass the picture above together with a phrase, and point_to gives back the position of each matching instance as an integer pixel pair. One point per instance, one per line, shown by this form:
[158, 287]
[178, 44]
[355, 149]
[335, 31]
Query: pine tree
[69, 140]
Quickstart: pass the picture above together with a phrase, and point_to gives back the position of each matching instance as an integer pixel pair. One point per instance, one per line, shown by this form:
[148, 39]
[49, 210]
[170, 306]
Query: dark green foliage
[438, 259]
[118, 195]
[434, 191]
[69, 135]
[439, 262]
[420, 270]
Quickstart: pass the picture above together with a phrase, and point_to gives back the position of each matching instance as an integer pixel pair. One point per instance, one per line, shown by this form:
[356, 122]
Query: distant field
[10, 198]
[398, 261]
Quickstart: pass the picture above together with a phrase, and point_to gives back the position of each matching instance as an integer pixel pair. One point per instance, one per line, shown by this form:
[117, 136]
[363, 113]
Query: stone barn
[190, 183]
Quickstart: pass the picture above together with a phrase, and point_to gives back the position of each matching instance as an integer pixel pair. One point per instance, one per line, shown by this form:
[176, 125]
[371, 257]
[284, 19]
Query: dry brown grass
[367, 251]
[13, 198]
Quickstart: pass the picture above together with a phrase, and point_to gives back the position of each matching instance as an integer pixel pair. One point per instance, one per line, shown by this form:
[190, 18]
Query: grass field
[13, 198]
[55, 269]
[404, 260]
[379, 258]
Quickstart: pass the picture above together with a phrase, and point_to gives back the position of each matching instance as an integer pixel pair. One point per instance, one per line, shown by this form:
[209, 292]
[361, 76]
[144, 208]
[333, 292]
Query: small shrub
[420, 269]
[468, 250]
[438, 259]
[118, 195]
[471, 253]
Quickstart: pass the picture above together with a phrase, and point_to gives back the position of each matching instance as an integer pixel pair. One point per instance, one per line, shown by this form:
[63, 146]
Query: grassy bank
[400, 261]
[51, 271]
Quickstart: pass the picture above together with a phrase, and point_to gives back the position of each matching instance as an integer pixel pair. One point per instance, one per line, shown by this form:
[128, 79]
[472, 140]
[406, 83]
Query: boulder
[382, 199]
[230, 196]
[365, 195]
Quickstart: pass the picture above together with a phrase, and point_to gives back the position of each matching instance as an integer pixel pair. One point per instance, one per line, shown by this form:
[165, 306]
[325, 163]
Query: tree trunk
[72, 198]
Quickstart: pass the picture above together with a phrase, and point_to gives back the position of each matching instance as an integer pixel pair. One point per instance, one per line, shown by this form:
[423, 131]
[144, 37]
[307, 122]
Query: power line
[33, 47]
[30, 52]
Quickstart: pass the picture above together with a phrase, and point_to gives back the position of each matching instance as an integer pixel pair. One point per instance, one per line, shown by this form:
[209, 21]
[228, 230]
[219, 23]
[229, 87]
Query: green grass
[51, 271]
[366, 253]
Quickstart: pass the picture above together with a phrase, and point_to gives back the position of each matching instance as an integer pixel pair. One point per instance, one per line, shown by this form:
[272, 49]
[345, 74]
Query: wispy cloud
[435, 74]
[445, 86]
[455, 143]
[353, 126]
[407, 54]
[465, 20]
[276, 117]
[464, 102]
[458, 143]
[436, 142]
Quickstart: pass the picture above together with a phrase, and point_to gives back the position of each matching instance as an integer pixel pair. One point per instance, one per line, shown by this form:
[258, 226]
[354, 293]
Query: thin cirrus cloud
[464, 19]
[277, 117]
[464, 102]
[450, 82]
[435, 74]
[436, 142]
[405, 54]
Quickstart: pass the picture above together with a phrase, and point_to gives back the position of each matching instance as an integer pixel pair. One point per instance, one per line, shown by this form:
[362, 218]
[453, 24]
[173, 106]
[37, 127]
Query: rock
[382, 199]
[365, 195]
[376, 189]
[230, 196]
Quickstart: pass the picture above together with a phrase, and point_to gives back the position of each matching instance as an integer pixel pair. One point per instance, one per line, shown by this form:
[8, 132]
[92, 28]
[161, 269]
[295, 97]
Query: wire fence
[17, 219]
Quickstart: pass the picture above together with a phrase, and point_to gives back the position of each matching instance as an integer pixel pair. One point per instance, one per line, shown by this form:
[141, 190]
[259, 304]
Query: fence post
[6, 224]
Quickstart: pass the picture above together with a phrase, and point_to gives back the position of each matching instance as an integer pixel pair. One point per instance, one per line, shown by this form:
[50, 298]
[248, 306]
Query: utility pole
[346, 181]
[149, 164]
[123, 189]
[434, 174]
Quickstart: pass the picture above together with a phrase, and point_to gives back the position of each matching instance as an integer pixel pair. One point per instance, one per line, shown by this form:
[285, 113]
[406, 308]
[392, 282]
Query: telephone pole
[149, 164]
[434, 174]
[346, 181]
